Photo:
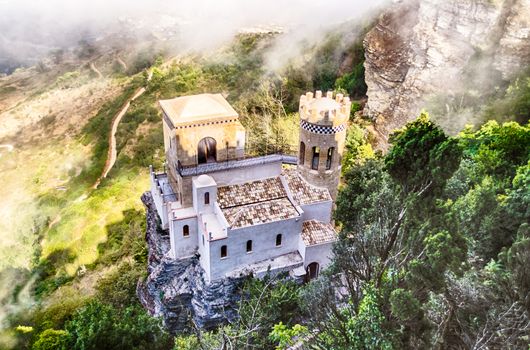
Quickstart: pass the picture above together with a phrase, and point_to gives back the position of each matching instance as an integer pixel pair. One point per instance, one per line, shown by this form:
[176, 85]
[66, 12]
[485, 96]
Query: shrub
[51, 339]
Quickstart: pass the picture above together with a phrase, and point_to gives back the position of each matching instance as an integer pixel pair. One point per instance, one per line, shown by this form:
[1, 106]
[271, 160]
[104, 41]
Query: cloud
[30, 28]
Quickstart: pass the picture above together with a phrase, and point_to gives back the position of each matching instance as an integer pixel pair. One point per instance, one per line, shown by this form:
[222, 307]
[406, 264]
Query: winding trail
[95, 70]
[122, 63]
[112, 153]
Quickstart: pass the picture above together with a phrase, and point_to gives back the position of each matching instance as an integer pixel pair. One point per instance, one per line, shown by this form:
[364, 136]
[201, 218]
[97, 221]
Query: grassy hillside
[71, 254]
[68, 241]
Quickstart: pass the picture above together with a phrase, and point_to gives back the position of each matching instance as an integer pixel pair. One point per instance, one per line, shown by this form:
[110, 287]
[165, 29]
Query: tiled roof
[316, 232]
[250, 192]
[303, 192]
[259, 213]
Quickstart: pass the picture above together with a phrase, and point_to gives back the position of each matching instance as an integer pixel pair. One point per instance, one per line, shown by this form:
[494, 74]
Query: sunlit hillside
[432, 218]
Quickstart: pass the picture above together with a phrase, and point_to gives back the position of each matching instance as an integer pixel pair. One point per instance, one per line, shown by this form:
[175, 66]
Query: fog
[29, 29]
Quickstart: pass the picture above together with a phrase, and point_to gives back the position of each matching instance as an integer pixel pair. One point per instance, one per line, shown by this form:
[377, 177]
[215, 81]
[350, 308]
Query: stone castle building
[243, 215]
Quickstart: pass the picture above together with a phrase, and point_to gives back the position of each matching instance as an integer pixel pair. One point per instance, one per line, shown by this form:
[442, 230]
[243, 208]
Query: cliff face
[422, 48]
[176, 290]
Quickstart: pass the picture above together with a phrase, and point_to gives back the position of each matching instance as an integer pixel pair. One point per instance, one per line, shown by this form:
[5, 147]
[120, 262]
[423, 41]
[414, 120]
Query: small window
[316, 158]
[330, 157]
[186, 231]
[207, 198]
[203, 241]
[302, 153]
[224, 251]
[278, 239]
[249, 246]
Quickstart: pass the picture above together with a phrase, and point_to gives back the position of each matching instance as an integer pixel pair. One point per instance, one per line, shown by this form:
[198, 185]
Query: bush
[51, 339]
[119, 287]
[101, 326]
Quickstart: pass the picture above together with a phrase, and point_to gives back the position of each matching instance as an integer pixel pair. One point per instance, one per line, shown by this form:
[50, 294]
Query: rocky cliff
[420, 49]
[176, 290]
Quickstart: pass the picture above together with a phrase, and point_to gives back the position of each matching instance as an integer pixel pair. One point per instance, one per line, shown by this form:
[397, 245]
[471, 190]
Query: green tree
[100, 326]
[364, 327]
[357, 148]
[286, 336]
[422, 157]
[264, 303]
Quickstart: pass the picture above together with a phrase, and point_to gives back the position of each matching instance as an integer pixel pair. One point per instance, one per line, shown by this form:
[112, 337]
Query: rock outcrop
[176, 290]
[421, 48]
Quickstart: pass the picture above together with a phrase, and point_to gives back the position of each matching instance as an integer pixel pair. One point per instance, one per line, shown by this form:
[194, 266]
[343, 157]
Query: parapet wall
[332, 110]
[158, 198]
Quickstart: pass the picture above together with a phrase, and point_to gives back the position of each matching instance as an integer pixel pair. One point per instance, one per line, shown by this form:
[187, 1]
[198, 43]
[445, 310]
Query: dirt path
[95, 70]
[112, 153]
[122, 63]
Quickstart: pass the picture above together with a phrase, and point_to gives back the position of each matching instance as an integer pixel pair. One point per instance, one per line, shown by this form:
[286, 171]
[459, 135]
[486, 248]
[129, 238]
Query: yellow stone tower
[199, 129]
[323, 124]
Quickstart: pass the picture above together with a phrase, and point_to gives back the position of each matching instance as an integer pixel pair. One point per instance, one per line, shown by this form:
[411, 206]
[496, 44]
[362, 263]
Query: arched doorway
[311, 271]
[207, 150]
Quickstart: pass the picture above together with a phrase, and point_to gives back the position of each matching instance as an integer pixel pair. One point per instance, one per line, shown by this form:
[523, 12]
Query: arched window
[185, 230]
[207, 198]
[302, 153]
[330, 157]
[207, 150]
[278, 239]
[224, 251]
[249, 246]
[316, 158]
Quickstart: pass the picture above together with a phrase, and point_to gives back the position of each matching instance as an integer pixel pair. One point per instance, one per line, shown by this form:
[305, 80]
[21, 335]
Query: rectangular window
[249, 246]
[224, 252]
[330, 157]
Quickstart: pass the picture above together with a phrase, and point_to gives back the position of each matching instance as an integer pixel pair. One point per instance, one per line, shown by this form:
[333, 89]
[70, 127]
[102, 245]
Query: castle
[249, 215]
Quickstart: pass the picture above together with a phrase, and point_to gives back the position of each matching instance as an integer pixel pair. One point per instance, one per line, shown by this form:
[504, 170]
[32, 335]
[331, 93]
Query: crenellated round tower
[323, 124]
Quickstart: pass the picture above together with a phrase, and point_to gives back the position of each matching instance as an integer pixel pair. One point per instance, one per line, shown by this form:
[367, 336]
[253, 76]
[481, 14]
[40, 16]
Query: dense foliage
[433, 246]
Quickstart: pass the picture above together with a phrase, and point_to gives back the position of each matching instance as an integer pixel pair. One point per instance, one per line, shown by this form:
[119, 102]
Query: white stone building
[249, 215]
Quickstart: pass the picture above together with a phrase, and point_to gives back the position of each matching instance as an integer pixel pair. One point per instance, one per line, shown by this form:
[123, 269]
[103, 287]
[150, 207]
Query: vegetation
[88, 245]
[427, 232]
[434, 235]
[267, 316]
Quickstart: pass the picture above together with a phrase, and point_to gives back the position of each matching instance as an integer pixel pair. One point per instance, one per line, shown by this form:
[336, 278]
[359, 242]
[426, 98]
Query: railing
[234, 164]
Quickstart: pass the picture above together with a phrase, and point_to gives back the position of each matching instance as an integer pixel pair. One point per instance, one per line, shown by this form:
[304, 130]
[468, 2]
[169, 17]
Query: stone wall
[322, 177]
[264, 247]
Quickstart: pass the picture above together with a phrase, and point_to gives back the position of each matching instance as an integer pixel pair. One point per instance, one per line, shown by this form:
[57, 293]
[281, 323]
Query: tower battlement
[329, 110]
